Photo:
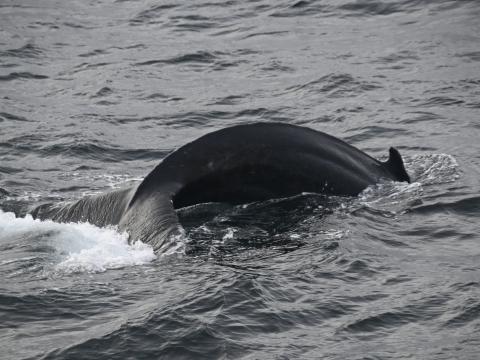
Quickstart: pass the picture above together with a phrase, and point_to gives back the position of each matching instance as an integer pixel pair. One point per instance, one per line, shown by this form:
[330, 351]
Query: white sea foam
[229, 235]
[81, 247]
[431, 169]
[424, 170]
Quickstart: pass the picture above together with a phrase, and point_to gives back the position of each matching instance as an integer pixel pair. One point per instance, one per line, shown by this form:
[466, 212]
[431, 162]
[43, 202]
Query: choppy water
[94, 93]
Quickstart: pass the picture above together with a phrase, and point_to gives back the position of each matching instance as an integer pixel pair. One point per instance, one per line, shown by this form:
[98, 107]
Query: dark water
[94, 93]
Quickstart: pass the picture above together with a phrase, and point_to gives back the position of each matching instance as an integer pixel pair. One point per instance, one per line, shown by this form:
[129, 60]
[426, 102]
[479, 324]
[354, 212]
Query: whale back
[240, 164]
[261, 161]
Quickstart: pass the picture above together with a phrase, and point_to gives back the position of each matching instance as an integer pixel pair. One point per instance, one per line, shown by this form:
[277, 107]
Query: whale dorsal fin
[395, 165]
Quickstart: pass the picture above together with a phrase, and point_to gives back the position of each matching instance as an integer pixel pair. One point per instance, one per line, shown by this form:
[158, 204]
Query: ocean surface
[94, 93]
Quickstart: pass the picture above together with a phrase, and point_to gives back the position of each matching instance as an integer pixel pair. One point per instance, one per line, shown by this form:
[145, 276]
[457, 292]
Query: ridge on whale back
[238, 164]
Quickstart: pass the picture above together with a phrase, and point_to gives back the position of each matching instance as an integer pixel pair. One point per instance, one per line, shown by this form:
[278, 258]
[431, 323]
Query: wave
[335, 86]
[26, 51]
[11, 117]
[88, 150]
[200, 59]
[22, 75]
[362, 8]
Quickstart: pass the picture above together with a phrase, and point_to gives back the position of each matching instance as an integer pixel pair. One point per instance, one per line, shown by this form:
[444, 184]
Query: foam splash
[175, 246]
[390, 192]
[432, 169]
[81, 247]
[424, 170]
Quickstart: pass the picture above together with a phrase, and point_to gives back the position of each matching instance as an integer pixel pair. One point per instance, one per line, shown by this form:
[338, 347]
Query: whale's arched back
[239, 164]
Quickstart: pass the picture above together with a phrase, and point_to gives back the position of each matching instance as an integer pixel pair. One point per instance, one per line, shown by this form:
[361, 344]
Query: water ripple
[22, 75]
[335, 85]
[26, 51]
[11, 117]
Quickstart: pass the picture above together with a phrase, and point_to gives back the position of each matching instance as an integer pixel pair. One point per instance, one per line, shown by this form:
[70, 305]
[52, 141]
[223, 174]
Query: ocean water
[93, 94]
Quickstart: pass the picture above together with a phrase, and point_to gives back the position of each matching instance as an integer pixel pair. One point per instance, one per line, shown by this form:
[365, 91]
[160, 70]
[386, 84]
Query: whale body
[238, 164]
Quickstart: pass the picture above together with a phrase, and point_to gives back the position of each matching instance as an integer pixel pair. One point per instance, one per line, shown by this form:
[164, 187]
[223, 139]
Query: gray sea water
[94, 93]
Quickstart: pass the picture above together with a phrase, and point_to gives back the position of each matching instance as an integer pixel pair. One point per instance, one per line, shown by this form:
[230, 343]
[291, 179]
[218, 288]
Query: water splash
[432, 169]
[392, 197]
[77, 247]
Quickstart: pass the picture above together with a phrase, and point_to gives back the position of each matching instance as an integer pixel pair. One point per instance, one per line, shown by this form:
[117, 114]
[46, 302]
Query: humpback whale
[238, 164]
